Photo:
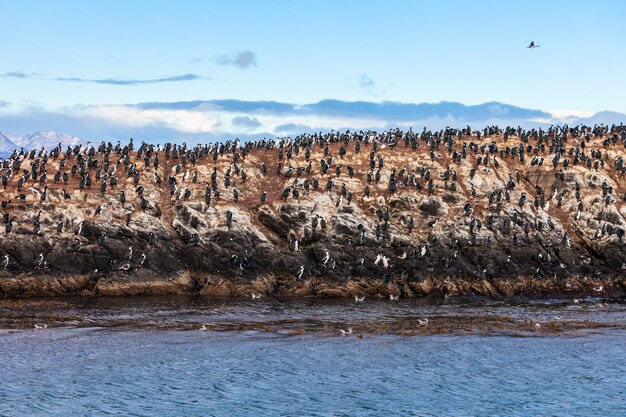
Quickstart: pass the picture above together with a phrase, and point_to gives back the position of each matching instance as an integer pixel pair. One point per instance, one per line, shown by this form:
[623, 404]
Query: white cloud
[569, 115]
[209, 121]
[190, 121]
[242, 59]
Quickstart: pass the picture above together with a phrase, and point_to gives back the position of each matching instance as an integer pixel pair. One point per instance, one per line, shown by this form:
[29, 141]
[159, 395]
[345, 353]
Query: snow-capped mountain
[7, 142]
[47, 139]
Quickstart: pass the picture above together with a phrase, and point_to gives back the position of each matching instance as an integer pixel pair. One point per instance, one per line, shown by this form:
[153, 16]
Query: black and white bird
[326, 257]
[39, 261]
[532, 45]
[77, 245]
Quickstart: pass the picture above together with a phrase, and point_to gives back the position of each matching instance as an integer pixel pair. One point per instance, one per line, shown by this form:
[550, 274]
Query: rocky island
[497, 211]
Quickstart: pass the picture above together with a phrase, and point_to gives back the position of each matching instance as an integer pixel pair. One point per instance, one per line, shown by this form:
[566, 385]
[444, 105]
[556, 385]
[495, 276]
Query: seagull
[393, 297]
[358, 299]
[532, 45]
[41, 326]
[537, 325]
[423, 322]
[204, 327]
[255, 296]
[346, 332]
[557, 318]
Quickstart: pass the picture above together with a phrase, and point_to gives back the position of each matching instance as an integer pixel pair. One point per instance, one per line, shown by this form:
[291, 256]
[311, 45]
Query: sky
[89, 67]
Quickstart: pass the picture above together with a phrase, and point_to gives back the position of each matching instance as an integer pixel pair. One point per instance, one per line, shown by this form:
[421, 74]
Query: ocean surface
[179, 356]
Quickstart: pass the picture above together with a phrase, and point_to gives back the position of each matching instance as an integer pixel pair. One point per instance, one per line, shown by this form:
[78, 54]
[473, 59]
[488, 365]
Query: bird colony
[495, 211]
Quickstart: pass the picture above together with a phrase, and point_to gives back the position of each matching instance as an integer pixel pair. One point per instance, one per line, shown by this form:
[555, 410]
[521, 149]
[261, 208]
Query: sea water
[151, 356]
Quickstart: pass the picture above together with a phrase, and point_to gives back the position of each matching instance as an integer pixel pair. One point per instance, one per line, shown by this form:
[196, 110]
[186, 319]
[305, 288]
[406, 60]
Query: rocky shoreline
[498, 212]
[185, 284]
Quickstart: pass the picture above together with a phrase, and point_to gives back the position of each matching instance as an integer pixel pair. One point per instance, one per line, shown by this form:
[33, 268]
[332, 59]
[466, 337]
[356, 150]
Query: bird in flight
[532, 45]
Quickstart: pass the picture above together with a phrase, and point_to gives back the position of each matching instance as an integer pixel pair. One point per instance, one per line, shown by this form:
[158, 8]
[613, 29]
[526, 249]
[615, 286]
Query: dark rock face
[456, 214]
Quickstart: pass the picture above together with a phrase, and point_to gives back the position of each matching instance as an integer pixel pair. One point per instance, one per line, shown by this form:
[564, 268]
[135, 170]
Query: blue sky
[91, 60]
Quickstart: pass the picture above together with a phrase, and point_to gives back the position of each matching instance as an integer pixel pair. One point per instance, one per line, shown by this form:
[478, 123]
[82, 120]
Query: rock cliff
[497, 212]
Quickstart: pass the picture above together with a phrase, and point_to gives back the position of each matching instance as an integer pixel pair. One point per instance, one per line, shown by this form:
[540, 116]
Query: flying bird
[532, 45]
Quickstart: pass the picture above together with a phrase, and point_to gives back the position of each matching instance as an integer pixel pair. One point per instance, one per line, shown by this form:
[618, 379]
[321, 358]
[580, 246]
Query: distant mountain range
[488, 113]
[47, 139]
